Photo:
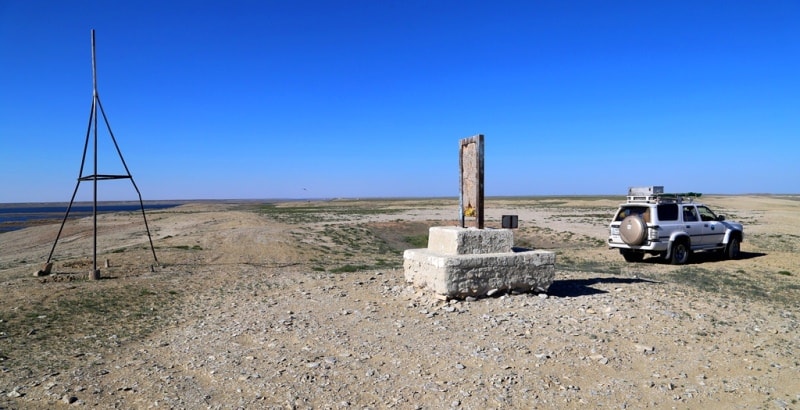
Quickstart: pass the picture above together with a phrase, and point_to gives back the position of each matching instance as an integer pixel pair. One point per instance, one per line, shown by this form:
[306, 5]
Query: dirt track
[304, 305]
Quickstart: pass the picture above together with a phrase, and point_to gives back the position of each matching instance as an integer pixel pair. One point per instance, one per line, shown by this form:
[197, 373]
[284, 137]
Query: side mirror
[720, 218]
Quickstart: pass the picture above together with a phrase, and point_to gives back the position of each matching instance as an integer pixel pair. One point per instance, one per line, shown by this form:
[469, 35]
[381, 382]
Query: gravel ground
[248, 310]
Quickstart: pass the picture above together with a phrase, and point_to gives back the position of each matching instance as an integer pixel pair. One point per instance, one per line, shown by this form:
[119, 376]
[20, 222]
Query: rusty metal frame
[99, 177]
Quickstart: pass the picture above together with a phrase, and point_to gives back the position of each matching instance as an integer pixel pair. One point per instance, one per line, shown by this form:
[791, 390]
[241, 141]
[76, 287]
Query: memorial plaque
[470, 201]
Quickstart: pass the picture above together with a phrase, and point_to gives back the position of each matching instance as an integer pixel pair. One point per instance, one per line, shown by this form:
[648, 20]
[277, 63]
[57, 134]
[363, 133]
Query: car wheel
[633, 230]
[631, 256]
[733, 249]
[680, 253]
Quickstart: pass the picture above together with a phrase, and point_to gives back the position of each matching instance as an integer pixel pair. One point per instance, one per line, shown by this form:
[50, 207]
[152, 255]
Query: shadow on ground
[570, 288]
[707, 257]
[703, 257]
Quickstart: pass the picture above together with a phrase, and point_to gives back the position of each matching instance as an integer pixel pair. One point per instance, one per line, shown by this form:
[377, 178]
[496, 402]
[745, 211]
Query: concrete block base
[456, 276]
[452, 240]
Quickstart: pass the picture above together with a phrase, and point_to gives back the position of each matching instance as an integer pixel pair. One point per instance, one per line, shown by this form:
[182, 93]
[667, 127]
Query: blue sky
[297, 99]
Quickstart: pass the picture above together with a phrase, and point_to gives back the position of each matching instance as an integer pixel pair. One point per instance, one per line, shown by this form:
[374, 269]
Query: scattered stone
[46, 270]
[599, 358]
[523, 351]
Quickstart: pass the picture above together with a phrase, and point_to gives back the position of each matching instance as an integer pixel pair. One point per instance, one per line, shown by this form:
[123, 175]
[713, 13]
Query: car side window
[689, 214]
[667, 212]
[706, 214]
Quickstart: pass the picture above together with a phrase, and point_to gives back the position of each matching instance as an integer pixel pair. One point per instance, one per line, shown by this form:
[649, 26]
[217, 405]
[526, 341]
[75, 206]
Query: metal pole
[95, 274]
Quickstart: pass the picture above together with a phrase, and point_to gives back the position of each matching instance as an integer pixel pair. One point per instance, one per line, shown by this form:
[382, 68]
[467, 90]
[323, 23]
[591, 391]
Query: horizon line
[356, 198]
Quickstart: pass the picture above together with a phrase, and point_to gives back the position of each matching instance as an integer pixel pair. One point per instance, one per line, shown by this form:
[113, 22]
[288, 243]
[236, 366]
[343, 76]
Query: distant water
[19, 216]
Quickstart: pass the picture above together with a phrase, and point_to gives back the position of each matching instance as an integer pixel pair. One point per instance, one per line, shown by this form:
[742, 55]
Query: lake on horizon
[20, 215]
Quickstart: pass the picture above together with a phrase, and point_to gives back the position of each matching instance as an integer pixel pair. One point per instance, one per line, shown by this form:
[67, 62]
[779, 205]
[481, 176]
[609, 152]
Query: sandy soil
[304, 305]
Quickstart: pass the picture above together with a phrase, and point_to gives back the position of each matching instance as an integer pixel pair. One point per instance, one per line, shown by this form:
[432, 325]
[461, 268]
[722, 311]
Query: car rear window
[642, 211]
[667, 212]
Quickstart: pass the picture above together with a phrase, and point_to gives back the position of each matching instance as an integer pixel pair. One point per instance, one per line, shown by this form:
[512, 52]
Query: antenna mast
[92, 130]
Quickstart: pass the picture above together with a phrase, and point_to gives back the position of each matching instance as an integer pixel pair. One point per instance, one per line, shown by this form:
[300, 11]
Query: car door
[692, 224]
[713, 230]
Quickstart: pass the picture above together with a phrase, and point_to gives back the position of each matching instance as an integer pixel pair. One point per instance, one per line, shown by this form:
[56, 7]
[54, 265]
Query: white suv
[671, 226]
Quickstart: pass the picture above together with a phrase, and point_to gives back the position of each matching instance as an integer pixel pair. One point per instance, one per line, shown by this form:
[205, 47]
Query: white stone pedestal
[461, 262]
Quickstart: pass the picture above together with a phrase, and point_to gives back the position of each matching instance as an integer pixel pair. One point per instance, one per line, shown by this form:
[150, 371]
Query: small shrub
[146, 292]
[419, 241]
[349, 268]
[186, 247]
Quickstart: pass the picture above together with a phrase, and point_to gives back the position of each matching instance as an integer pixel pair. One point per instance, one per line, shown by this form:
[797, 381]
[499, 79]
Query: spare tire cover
[633, 230]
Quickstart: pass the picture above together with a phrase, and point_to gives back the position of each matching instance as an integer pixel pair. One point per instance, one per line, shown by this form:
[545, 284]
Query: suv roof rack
[655, 195]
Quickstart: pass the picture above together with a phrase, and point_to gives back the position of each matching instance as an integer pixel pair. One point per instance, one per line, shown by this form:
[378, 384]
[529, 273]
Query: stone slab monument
[470, 164]
[469, 260]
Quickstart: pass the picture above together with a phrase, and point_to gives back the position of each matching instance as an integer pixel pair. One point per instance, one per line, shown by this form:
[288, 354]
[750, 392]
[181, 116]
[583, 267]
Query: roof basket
[656, 194]
[644, 193]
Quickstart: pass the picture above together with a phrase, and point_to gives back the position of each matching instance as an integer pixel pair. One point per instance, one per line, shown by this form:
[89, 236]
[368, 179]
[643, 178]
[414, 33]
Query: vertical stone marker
[470, 203]
[468, 260]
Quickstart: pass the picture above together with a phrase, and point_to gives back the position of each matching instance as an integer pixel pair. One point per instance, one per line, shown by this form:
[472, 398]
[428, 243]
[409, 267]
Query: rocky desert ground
[304, 305]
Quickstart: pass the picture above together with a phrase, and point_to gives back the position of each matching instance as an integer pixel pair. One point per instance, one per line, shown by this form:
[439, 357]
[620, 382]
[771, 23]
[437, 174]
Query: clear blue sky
[297, 99]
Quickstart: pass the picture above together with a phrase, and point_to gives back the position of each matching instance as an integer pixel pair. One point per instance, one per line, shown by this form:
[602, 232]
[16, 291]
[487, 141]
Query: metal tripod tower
[92, 131]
